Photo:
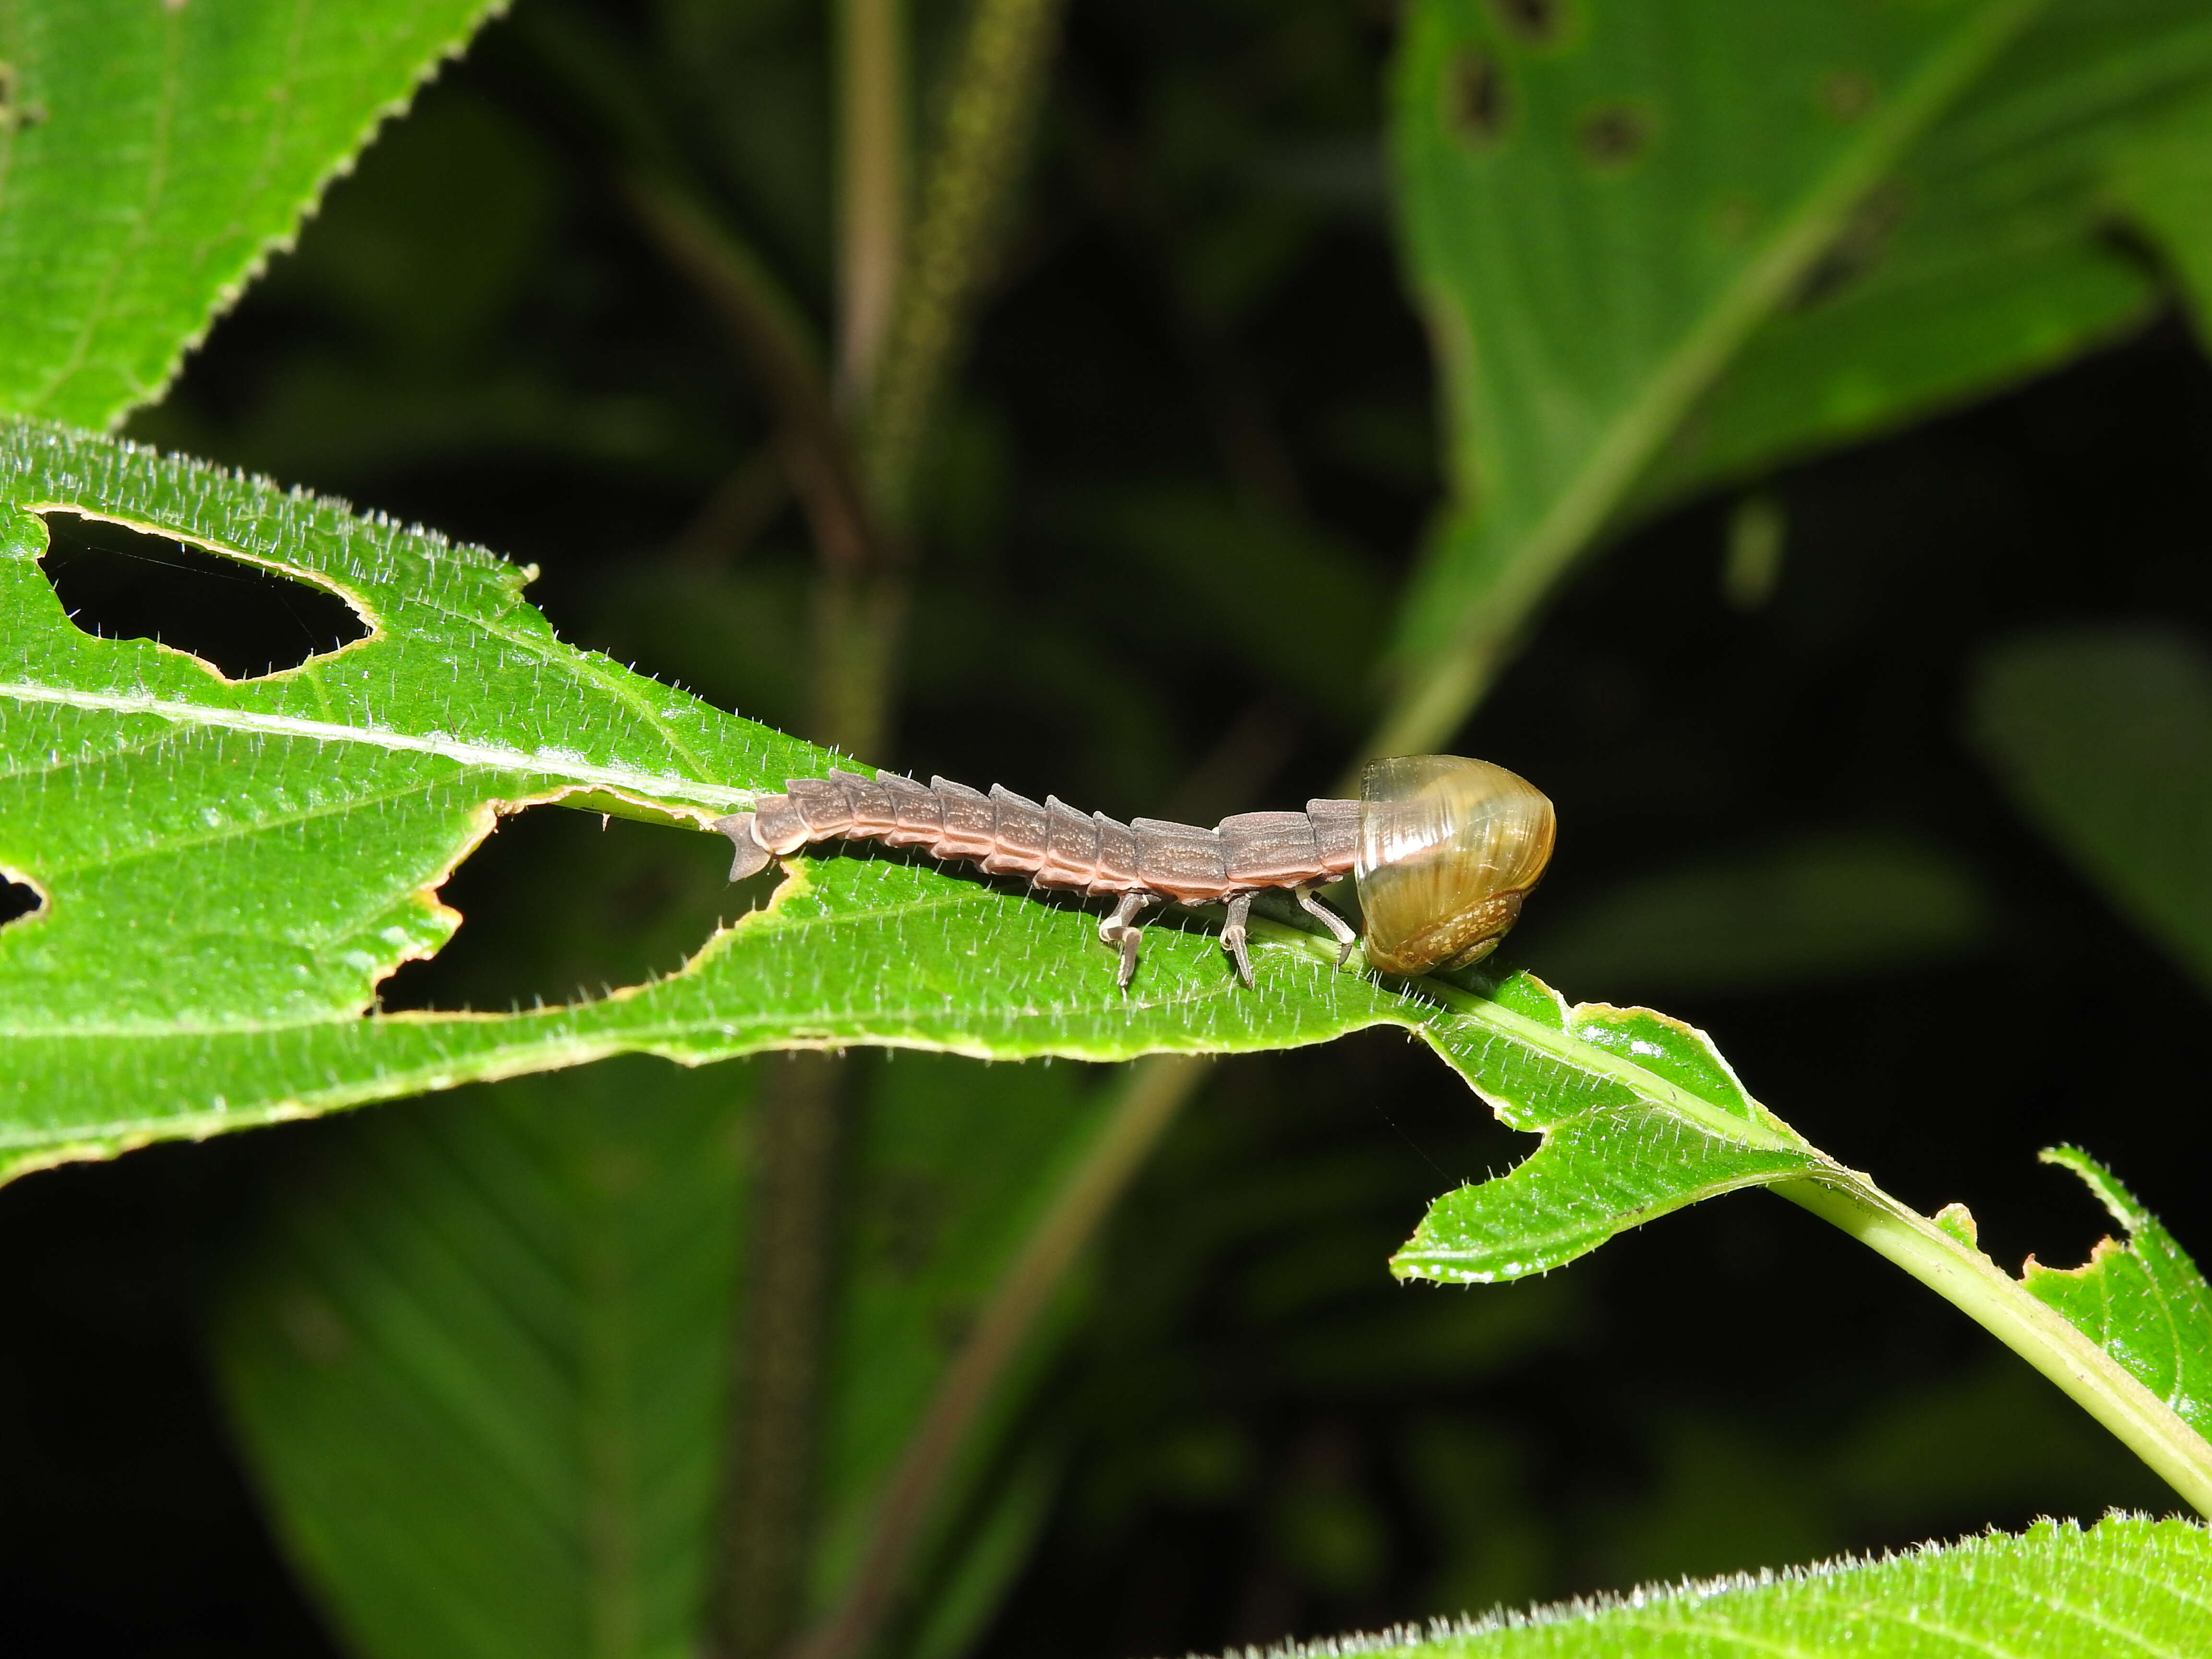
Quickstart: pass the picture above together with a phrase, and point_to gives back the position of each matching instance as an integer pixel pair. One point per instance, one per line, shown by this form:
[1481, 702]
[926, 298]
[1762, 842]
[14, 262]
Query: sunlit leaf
[2142, 1300]
[2126, 1585]
[155, 154]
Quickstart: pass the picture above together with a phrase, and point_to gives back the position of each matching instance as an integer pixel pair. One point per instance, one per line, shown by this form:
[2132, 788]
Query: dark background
[1188, 467]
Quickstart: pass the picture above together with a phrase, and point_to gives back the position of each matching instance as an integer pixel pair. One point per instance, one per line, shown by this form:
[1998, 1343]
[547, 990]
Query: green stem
[2037, 1332]
[872, 76]
[2088, 1374]
[1150, 1094]
[991, 96]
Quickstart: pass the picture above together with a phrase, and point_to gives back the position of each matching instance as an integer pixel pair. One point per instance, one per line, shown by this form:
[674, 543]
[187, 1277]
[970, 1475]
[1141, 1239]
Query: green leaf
[1600, 206]
[155, 155]
[1642, 287]
[2163, 180]
[1986, 256]
[2102, 736]
[2128, 1584]
[480, 1351]
[1640, 1115]
[1664, 1125]
[229, 868]
[480, 1358]
[2143, 1301]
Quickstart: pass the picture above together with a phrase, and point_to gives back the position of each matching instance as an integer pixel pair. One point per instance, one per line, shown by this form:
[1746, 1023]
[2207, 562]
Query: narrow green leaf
[2143, 1301]
[1640, 1115]
[155, 154]
[2103, 738]
[1666, 1125]
[2128, 1584]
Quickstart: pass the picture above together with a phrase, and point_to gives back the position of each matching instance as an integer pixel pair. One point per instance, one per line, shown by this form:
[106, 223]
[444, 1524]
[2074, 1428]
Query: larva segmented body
[1444, 849]
[1146, 861]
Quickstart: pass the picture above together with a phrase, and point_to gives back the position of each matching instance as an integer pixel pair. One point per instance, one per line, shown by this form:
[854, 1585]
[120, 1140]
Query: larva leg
[1121, 931]
[1346, 938]
[1232, 935]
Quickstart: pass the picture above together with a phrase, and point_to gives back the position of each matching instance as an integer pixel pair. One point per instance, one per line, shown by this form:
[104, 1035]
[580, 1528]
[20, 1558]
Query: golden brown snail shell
[1447, 848]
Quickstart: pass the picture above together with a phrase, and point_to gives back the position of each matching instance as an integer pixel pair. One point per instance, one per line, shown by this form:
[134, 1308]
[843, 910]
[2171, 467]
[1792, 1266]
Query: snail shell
[1448, 847]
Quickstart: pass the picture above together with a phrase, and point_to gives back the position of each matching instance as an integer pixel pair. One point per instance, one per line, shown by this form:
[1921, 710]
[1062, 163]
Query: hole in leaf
[18, 899]
[556, 908]
[1536, 21]
[1475, 97]
[1613, 135]
[117, 583]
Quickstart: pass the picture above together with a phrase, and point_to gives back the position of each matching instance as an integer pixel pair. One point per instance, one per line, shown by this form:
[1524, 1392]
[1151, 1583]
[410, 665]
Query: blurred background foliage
[1889, 766]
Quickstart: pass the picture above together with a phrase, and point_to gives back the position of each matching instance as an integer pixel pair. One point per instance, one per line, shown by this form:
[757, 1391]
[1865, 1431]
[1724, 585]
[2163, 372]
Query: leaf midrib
[653, 785]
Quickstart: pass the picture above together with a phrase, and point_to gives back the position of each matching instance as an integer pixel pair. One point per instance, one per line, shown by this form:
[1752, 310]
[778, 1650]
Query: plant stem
[991, 96]
[779, 347]
[768, 1489]
[2037, 1333]
[872, 76]
[1151, 1092]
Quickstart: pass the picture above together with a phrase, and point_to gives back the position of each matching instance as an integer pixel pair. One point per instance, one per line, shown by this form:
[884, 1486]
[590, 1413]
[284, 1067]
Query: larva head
[1447, 848]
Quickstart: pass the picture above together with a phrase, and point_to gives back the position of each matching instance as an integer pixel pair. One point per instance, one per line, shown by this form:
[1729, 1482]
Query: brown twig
[768, 1492]
[1150, 1094]
[871, 187]
[778, 346]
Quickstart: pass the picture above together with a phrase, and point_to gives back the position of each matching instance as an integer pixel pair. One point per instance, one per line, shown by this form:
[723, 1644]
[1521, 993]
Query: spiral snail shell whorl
[1448, 847]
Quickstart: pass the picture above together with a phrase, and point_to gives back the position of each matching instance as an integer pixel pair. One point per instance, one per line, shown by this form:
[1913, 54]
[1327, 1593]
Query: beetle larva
[1443, 850]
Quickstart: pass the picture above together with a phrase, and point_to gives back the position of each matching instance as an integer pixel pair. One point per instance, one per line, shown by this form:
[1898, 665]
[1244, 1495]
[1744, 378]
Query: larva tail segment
[752, 858]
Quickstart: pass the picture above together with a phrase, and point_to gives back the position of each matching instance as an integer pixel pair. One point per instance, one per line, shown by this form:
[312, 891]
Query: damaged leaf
[2143, 1301]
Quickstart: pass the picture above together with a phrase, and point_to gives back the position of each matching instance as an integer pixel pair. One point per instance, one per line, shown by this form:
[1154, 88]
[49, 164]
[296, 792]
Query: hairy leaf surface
[2127, 1585]
[1666, 1125]
[152, 155]
[229, 868]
